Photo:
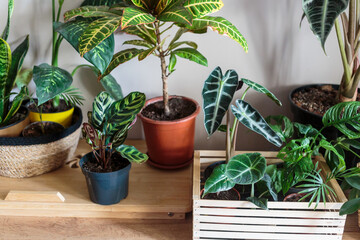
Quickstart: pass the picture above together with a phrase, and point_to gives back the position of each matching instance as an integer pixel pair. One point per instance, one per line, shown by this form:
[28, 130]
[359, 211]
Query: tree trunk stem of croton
[163, 70]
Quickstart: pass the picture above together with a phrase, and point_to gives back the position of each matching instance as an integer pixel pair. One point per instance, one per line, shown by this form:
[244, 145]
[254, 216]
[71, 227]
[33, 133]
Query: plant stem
[352, 24]
[252, 190]
[228, 137]
[163, 70]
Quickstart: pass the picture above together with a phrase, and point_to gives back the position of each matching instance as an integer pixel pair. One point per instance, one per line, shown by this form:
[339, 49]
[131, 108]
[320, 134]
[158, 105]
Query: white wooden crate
[222, 219]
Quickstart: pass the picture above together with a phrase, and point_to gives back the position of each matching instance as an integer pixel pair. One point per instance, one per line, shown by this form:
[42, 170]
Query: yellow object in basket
[64, 118]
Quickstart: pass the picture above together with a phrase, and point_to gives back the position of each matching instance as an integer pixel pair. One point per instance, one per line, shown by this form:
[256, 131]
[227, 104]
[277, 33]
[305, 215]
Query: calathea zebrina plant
[109, 123]
[10, 64]
[149, 20]
[245, 169]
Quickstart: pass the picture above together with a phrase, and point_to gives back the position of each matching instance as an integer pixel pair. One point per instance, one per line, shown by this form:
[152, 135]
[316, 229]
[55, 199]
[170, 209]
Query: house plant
[107, 167]
[13, 117]
[148, 20]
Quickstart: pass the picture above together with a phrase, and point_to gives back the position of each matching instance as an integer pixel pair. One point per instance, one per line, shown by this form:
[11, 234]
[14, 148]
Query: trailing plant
[10, 65]
[245, 169]
[108, 125]
[149, 20]
[322, 16]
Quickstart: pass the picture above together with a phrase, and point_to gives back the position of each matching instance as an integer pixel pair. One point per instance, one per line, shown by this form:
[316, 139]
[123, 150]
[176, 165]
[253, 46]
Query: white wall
[281, 56]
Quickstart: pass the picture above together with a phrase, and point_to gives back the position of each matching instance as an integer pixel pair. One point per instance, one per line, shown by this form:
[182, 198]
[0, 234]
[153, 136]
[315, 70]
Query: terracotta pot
[15, 129]
[170, 144]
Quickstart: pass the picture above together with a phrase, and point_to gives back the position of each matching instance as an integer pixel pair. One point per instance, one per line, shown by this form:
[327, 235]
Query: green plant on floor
[10, 65]
[322, 16]
[150, 20]
[108, 125]
[244, 169]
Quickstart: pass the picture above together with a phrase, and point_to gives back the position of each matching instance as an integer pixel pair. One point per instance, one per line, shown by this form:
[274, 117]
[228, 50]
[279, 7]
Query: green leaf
[142, 32]
[307, 130]
[23, 78]
[222, 128]
[101, 105]
[177, 44]
[218, 181]
[247, 168]
[250, 117]
[132, 17]
[132, 154]
[267, 181]
[141, 43]
[334, 161]
[178, 34]
[97, 32]
[50, 81]
[345, 117]
[200, 8]
[123, 112]
[283, 127]
[6, 31]
[161, 5]
[192, 55]
[91, 11]
[257, 87]
[220, 25]
[146, 53]
[111, 86]
[15, 105]
[354, 181]
[321, 15]
[260, 202]
[350, 207]
[101, 55]
[328, 146]
[5, 64]
[120, 58]
[103, 2]
[172, 63]
[218, 92]
[141, 3]
[177, 14]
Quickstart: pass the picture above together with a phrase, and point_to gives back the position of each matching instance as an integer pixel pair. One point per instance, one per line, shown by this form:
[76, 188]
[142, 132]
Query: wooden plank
[268, 229]
[35, 196]
[151, 190]
[196, 176]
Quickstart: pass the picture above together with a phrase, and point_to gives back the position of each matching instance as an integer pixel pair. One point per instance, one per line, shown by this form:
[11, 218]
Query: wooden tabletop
[15, 227]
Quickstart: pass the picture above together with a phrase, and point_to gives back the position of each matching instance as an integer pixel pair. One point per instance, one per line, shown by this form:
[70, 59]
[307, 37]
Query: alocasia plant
[109, 123]
[149, 20]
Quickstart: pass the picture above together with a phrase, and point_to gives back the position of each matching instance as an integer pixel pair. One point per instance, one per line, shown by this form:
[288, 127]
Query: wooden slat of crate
[153, 193]
[243, 220]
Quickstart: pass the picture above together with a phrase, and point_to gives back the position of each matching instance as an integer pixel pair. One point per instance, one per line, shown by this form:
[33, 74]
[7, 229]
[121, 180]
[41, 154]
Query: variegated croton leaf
[200, 8]
[217, 94]
[252, 119]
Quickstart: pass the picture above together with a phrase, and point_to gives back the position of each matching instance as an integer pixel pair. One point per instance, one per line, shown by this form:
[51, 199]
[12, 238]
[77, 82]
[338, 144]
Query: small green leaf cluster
[10, 65]
[108, 125]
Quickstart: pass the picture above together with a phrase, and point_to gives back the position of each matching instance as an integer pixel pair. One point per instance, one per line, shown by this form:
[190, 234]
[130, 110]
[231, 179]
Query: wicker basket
[31, 156]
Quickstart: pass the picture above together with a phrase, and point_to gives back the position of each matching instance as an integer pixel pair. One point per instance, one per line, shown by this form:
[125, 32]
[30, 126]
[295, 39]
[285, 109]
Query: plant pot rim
[82, 161]
[297, 89]
[36, 123]
[169, 122]
[19, 121]
[70, 109]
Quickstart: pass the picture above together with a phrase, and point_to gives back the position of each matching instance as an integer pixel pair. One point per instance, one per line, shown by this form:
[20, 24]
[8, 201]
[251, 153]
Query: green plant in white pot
[150, 20]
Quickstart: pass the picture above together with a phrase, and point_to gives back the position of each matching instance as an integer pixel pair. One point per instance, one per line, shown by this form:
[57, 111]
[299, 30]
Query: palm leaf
[132, 17]
[218, 92]
[192, 55]
[257, 87]
[248, 116]
[200, 8]
[345, 117]
[132, 154]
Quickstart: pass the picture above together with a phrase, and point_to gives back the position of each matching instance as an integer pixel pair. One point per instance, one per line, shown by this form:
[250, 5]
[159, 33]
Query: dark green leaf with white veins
[133, 16]
[101, 55]
[220, 25]
[132, 154]
[192, 55]
[259, 202]
[345, 117]
[257, 87]
[252, 119]
[200, 8]
[322, 14]
[123, 112]
[97, 32]
[218, 92]
[50, 81]
[218, 181]
[101, 106]
[247, 168]
[120, 58]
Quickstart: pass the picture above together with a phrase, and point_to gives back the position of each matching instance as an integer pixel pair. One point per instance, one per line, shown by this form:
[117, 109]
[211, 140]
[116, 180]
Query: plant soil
[117, 162]
[19, 116]
[317, 99]
[225, 195]
[35, 129]
[179, 108]
[49, 108]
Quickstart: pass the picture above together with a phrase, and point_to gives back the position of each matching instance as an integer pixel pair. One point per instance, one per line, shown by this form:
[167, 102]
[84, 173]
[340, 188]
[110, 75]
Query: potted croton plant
[107, 167]
[169, 121]
[13, 117]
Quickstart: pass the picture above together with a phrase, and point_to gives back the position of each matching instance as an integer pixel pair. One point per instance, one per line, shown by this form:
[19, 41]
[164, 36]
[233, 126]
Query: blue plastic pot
[106, 188]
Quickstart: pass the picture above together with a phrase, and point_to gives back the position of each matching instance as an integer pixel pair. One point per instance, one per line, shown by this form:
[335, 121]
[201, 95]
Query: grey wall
[281, 56]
